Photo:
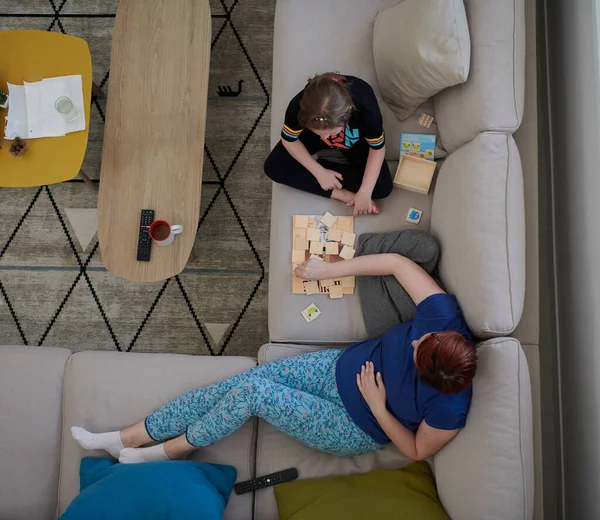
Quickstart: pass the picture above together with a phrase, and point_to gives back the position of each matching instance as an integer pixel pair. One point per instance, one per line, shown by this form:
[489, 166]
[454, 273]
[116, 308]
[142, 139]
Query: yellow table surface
[33, 56]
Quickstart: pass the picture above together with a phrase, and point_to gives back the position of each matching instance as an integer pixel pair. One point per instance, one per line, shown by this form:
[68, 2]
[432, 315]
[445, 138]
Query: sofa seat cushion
[342, 320]
[305, 37]
[106, 391]
[493, 96]
[478, 216]
[486, 472]
[31, 387]
[276, 451]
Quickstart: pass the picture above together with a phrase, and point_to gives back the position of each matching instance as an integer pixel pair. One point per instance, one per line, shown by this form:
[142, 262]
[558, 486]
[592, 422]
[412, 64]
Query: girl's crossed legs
[297, 395]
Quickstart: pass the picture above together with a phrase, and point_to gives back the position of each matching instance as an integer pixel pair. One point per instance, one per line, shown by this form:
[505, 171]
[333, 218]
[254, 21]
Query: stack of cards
[327, 238]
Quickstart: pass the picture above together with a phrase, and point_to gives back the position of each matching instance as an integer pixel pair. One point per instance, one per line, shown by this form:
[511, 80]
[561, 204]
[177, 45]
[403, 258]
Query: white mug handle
[176, 229]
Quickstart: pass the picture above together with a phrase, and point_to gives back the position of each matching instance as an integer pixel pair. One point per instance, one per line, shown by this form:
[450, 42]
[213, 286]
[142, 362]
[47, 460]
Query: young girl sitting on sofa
[334, 111]
[411, 387]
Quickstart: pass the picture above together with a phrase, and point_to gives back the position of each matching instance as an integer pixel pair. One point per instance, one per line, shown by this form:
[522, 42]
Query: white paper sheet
[42, 118]
[16, 120]
[31, 110]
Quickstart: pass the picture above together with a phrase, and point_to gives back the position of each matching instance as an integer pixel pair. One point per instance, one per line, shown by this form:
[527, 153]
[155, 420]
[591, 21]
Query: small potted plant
[3, 99]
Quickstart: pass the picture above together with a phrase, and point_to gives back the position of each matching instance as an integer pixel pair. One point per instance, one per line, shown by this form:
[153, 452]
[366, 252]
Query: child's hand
[313, 270]
[329, 179]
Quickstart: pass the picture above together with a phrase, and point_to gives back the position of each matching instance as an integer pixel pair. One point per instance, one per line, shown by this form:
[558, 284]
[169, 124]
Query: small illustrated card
[312, 312]
[418, 145]
[414, 216]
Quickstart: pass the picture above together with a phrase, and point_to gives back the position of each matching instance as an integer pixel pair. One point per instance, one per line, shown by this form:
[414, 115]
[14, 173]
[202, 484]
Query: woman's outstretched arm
[416, 282]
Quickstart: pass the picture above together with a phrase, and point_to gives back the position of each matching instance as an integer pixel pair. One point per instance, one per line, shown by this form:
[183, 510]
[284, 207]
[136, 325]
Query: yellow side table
[32, 56]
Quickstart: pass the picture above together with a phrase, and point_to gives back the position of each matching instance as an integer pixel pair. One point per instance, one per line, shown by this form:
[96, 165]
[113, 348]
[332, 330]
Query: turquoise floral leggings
[297, 395]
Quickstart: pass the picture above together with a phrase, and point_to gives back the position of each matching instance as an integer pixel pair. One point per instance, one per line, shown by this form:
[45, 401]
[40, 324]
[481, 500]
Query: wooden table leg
[88, 181]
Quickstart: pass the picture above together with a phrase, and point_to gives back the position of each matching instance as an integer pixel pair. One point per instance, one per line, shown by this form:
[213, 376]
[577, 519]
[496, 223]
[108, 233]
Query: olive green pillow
[383, 495]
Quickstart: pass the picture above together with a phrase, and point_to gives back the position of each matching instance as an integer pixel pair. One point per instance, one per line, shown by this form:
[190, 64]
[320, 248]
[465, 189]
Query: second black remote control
[144, 240]
[267, 480]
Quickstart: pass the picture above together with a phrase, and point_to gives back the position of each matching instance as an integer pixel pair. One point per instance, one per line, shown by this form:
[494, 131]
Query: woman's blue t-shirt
[409, 398]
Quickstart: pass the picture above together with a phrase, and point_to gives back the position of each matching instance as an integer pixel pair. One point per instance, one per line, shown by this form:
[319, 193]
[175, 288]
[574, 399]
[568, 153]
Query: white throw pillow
[420, 47]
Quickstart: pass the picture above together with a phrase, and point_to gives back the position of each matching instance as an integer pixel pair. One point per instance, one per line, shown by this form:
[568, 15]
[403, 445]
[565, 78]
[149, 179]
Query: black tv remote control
[267, 480]
[144, 240]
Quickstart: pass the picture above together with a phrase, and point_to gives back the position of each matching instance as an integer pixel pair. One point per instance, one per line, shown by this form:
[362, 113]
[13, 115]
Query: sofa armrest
[487, 470]
[31, 391]
[478, 216]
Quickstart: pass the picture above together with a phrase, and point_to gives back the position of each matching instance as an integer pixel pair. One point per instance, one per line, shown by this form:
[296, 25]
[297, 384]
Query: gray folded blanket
[384, 301]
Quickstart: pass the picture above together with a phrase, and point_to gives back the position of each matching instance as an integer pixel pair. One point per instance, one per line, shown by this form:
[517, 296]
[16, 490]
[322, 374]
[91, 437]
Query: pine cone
[19, 147]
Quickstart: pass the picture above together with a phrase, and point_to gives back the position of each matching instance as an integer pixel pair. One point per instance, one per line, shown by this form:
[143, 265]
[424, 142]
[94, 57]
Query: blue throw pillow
[180, 490]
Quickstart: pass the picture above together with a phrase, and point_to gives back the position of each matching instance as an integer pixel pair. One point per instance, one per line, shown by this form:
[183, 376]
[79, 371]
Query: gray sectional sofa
[485, 473]
[477, 212]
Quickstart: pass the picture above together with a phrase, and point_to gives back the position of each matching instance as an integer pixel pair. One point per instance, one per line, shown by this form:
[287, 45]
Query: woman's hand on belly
[371, 387]
[425, 443]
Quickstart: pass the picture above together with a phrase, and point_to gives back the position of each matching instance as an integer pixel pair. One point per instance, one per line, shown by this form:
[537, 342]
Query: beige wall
[574, 94]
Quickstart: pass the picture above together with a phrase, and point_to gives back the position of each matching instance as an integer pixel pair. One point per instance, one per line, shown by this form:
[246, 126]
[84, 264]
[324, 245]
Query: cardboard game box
[418, 145]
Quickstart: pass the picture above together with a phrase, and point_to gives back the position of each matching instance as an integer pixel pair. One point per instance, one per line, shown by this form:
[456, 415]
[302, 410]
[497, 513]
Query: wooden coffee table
[154, 133]
[33, 56]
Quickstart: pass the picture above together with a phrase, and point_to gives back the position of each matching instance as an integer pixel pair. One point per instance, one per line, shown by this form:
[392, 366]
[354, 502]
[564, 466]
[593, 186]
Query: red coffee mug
[162, 233]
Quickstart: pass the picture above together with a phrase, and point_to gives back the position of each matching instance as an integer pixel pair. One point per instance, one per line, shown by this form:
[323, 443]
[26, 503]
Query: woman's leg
[311, 372]
[172, 449]
[319, 423]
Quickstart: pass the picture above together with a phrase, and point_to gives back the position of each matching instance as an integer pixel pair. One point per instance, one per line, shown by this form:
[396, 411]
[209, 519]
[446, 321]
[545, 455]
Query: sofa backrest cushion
[493, 96]
[486, 472]
[478, 216]
[31, 385]
[420, 47]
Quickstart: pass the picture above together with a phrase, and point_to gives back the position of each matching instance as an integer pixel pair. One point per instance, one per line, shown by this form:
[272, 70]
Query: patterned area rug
[54, 289]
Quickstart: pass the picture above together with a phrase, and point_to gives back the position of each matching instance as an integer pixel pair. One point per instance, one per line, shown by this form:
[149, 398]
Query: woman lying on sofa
[411, 387]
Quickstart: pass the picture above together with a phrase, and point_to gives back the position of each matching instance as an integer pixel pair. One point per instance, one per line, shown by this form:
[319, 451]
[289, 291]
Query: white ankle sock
[134, 455]
[110, 441]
